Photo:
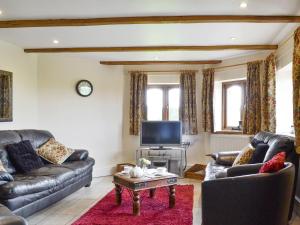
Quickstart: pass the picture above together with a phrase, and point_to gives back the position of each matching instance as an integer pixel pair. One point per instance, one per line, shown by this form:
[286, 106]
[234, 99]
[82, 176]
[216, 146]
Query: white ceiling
[143, 35]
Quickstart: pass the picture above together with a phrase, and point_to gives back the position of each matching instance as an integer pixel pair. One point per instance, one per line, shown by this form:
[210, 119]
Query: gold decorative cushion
[2, 169]
[244, 156]
[54, 152]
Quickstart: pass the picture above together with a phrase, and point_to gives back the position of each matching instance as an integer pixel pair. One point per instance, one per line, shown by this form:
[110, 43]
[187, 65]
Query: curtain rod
[174, 71]
[163, 71]
[234, 65]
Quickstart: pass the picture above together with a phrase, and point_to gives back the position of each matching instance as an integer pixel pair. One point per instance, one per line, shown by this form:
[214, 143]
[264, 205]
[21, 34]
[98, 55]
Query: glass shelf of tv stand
[171, 157]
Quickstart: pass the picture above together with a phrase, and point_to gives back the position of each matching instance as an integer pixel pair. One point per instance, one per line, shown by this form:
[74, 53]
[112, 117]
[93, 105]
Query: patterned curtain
[188, 107]
[252, 113]
[138, 88]
[207, 100]
[268, 98]
[5, 95]
[296, 87]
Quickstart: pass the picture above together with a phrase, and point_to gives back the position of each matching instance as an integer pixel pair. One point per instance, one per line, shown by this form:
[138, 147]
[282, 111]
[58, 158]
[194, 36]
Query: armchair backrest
[277, 143]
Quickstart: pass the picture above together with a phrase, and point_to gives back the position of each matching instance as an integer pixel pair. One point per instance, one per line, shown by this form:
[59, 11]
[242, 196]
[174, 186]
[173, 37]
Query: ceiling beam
[152, 48]
[149, 20]
[201, 62]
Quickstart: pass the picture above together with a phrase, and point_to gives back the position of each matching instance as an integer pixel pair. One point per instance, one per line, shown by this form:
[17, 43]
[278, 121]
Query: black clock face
[84, 88]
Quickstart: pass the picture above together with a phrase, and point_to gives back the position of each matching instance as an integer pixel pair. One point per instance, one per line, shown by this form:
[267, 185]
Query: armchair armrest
[8, 218]
[78, 155]
[225, 158]
[243, 170]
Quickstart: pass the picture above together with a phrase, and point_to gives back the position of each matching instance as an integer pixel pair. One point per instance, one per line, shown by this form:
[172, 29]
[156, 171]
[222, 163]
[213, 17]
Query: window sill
[237, 132]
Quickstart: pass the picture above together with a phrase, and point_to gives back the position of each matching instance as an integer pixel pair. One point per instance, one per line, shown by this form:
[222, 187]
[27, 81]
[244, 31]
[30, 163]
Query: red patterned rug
[153, 211]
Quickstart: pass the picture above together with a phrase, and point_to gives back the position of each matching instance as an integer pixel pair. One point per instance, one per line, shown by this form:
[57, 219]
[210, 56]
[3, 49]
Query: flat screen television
[161, 133]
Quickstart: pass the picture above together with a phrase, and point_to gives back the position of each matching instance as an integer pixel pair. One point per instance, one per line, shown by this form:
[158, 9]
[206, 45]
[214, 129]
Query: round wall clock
[84, 88]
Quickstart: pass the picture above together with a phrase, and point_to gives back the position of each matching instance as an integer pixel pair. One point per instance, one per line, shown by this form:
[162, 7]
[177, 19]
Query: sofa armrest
[5, 177]
[78, 155]
[241, 170]
[8, 218]
[224, 158]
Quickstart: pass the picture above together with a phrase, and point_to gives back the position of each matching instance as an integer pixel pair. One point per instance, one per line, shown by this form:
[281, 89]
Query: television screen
[160, 133]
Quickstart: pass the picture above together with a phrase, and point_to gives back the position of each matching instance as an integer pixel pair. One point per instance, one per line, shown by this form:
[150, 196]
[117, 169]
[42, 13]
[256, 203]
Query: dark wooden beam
[153, 48]
[201, 62]
[149, 20]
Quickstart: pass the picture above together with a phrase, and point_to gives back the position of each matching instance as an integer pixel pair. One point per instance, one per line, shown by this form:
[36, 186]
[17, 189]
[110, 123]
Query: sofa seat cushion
[212, 169]
[59, 173]
[25, 184]
[49, 177]
[80, 167]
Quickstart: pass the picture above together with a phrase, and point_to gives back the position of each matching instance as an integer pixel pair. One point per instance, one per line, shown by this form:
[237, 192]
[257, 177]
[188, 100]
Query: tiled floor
[69, 209]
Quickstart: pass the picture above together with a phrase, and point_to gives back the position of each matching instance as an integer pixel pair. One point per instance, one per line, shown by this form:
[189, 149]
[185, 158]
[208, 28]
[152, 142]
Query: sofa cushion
[25, 184]
[49, 177]
[259, 153]
[275, 164]
[244, 156]
[36, 137]
[261, 137]
[24, 157]
[279, 143]
[77, 155]
[80, 167]
[2, 168]
[58, 173]
[7, 137]
[54, 152]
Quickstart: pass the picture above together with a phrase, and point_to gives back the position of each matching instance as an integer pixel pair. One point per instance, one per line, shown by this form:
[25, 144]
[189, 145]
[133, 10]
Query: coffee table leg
[136, 203]
[118, 191]
[152, 192]
[172, 196]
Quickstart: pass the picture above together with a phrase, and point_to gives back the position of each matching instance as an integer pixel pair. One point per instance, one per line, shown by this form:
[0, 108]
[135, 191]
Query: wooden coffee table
[136, 185]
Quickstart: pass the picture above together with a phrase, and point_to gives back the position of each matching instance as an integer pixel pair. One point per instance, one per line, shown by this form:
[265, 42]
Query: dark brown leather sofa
[239, 196]
[33, 191]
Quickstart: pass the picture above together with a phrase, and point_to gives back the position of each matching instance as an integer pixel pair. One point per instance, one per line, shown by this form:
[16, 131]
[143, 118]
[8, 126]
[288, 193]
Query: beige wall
[45, 98]
[24, 69]
[93, 123]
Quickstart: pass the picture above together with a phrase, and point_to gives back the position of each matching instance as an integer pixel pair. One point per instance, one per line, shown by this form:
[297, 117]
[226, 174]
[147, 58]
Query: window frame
[165, 89]
[225, 86]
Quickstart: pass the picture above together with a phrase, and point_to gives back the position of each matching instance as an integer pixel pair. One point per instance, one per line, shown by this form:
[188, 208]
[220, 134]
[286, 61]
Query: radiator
[222, 142]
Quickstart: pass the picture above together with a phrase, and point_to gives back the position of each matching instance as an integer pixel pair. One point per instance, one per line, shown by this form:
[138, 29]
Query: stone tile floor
[68, 210]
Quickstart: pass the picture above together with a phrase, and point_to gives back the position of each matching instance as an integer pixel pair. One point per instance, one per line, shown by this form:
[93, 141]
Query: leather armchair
[221, 166]
[243, 199]
[8, 218]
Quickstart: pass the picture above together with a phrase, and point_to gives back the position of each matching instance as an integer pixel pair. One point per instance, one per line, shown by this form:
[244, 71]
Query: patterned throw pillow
[54, 152]
[2, 169]
[244, 156]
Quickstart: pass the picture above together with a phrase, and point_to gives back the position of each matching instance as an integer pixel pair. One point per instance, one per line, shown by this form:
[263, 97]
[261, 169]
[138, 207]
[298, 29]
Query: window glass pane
[234, 104]
[154, 104]
[174, 104]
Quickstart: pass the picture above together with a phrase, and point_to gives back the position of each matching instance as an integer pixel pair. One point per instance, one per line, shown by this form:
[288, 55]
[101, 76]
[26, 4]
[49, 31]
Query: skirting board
[104, 171]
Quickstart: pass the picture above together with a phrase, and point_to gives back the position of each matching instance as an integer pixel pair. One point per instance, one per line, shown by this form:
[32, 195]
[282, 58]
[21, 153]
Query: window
[163, 102]
[284, 100]
[233, 100]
